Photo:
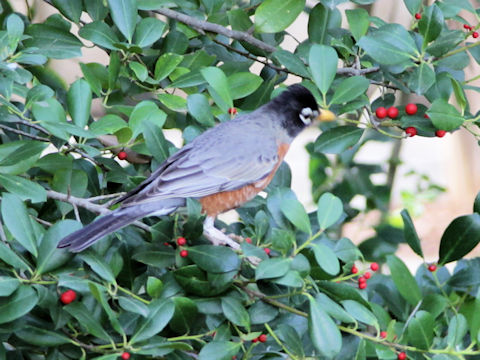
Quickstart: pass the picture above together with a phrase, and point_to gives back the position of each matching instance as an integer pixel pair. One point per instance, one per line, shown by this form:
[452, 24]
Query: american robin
[223, 168]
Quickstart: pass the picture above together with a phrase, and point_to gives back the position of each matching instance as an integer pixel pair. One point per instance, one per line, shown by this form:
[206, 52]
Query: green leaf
[154, 287]
[8, 285]
[330, 210]
[99, 266]
[242, 84]
[96, 9]
[272, 268]
[109, 124]
[360, 312]
[358, 21]
[185, 315]
[459, 93]
[133, 305]
[404, 281]
[324, 334]
[323, 65]
[173, 102]
[326, 258]
[87, 320]
[420, 330]
[444, 116]
[166, 64]
[49, 257]
[42, 337]
[79, 101]
[410, 233]
[148, 31]
[219, 89]
[338, 139]
[219, 350]
[214, 259]
[421, 79]
[38, 93]
[20, 303]
[145, 112]
[19, 156]
[50, 114]
[391, 44]
[349, 89]
[431, 23]
[292, 62]
[460, 237]
[15, 29]
[276, 15]
[333, 309]
[9, 257]
[70, 9]
[160, 313]
[413, 6]
[295, 212]
[476, 204]
[18, 222]
[99, 293]
[155, 141]
[100, 34]
[124, 15]
[199, 107]
[140, 70]
[445, 42]
[457, 329]
[235, 312]
[53, 42]
[23, 188]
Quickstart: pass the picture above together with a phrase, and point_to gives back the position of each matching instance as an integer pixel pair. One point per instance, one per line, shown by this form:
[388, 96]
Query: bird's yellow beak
[325, 115]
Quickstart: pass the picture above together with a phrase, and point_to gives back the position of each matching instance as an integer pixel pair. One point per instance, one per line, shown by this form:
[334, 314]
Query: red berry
[166, 243]
[122, 155]
[262, 338]
[362, 285]
[392, 112]
[475, 34]
[354, 269]
[367, 275]
[401, 356]
[374, 266]
[440, 133]
[181, 241]
[381, 112]
[248, 240]
[411, 131]
[125, 355]
[184, 253]
[267, 251]
[383, 334]
[426, 116]
[467, 27]
[432, 267]
[68, 296]
[255, 340]
[411, 109]
[232, 111]
[418, 16]
[362, 279]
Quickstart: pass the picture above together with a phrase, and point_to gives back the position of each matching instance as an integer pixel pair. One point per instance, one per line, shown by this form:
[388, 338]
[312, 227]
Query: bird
[223, 168]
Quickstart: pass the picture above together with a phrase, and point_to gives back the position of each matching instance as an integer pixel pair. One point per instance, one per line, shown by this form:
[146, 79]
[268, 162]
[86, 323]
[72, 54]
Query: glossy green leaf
[358, 21]
[326, 259]
[391, 44]
[18, 222]
[360, 312]
[8, 256]
[324, 334]
[330, 209]
[219, 350]
[199, 107]
[23, 188]
[292, 62]
[124, 15]
[235, 312]
[215, 259]
[420, 330]
[70, 9]
[99, 292]
[276, 15]
[291, 339]
[404, 281]
[146, 112]
[173, 102]
[445, 42]
[18, 304]
[38, 93]
[42, 337]
[166, 64]
[242, 84]
[421, 79]
[148, 31]
[349, 89]
[272, 268]
[99, 266]
[459, 93]
[65, 45]
[338, 139]
[444, 116]
[87, 320]
[410, 233]
[219, 89]
[79, 102]
[185, 315]
[320, 20]
[19, 156]
[8, 285]
[109, 124]
[140, 70]
[323, 65]
[431, 23]
[96, 9]
[15, 28]
[460, 237]
[160, 313]
[295, 212]
[457, 329]
[100, 34]
[155, 140]
[413, 6]
[133, 305]
[333, 309]
[154, 286]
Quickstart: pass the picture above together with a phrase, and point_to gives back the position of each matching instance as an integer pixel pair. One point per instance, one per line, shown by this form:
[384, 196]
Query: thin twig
[33, 126]
[23, 133]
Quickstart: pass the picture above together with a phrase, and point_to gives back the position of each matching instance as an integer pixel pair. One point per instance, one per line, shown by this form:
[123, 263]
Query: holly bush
[296, 289]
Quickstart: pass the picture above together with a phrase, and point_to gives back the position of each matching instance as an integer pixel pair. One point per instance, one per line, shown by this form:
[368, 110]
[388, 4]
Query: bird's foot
[217, 237]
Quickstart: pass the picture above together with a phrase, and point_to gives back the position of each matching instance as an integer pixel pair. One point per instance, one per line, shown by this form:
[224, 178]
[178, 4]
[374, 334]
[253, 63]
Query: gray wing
[223, 158]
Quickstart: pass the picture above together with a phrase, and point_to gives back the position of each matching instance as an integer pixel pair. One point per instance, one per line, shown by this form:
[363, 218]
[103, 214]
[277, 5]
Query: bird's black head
[296, 107]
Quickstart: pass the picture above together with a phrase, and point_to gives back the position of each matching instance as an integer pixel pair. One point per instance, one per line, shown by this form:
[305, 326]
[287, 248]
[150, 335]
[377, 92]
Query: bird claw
[216, 237]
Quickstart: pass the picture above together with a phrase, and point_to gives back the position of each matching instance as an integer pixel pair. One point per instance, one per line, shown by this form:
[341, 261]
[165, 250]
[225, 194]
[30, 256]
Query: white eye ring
[306, 111]
[306, 115]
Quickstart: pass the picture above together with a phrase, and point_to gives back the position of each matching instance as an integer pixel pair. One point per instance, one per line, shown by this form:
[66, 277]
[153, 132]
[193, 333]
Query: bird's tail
[83, 238]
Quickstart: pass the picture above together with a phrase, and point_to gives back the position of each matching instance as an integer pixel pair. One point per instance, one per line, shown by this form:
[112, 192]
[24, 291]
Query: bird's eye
[306, 115]
[306, 111]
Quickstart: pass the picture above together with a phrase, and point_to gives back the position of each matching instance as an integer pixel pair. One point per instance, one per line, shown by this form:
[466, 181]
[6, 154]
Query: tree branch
[23, 133]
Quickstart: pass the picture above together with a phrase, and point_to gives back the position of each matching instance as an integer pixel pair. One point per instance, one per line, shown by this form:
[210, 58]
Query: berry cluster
[362, 280]
[468, 27]
[181, 241]
[262, 338]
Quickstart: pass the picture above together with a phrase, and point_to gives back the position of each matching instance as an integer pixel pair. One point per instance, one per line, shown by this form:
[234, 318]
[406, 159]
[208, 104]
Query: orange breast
[220, 202]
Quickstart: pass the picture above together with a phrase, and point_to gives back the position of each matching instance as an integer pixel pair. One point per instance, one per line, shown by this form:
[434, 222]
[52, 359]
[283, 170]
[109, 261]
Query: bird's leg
[217, 237]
